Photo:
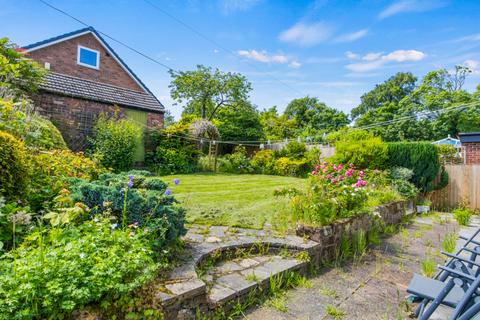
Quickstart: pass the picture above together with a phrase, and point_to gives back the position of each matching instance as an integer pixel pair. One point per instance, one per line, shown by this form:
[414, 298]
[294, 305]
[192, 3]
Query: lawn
[234, 200]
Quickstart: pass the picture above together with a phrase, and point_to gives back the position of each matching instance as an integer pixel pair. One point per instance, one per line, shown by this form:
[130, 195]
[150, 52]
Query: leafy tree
[168, 119]
[19, 76]
[205, 90]
[239, 123]
[312, 114]
[277, 127]
[385, 94]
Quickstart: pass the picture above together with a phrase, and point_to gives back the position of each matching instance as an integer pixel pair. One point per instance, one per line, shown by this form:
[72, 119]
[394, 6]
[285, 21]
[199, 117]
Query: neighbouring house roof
[449, 141]
[469, 137]
[101, 92]
[54, 78]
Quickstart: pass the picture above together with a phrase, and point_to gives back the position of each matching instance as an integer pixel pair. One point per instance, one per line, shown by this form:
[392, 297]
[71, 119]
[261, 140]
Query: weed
[428, 267]
[417, 234]
[278, 302]
[252, 277]
[462, 215]
[359, 244]
[303, 256]
[449, 242]
[389, 229]
[328, 292]
[334, 312]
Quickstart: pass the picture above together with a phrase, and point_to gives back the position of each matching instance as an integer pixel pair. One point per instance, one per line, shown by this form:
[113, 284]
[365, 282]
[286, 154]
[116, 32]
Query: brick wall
[471, 152]
[62, 57]
[75, 117]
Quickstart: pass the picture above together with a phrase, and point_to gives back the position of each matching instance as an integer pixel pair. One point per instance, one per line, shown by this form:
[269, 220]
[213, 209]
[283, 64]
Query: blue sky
[334, 50]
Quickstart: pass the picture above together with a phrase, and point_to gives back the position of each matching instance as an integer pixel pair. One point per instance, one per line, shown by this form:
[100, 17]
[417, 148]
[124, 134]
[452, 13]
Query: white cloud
[295, 64]
[375, 60]
[230, 6]
[352, 56]
[265, 57]
[470, 38]
[306, 34]
[403, 6]
[404, 55]
[372, 56]
[350, 37]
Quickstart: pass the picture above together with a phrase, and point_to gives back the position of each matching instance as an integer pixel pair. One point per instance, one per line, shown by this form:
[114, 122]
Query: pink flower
[340, 166]
[328, 176]
[348, 173]
[324, 162]
[340, 177]
[350, 165]
[324, 170]
[314, 172]
[317, 168]
[360, 173]
[363, 183]
[334, 180]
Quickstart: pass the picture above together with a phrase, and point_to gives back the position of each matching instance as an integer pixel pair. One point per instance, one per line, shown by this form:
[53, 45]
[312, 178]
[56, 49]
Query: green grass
[234, 200]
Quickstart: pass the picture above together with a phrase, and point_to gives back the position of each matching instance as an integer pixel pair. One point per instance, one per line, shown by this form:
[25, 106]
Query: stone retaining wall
[330, 236]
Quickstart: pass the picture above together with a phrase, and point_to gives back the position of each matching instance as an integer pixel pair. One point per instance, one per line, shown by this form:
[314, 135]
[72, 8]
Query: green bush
[293, 149]
[420, 157]
[114, 142]
[58, 271]
[14, 167]
[361, 148]
[237, 162]
[263, 162]
[35, 131]
[285, 166]
[52, 168]
[172, 151]
[145, 203]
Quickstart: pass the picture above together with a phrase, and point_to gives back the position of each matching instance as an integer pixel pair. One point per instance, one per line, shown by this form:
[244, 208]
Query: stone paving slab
[375, 286]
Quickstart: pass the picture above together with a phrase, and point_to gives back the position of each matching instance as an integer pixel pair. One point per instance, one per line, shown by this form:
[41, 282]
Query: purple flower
[130, 183]
[131, 177]
[176, 181]
[168, 192]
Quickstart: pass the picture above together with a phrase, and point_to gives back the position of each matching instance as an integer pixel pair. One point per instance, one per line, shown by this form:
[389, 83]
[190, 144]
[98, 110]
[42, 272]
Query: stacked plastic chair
[456, 285]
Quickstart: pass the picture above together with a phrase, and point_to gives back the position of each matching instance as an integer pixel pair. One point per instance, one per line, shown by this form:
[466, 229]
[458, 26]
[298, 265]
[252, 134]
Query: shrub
[285, 166]
[14, 167]
[421, 157]
[51, 170]
[401, 184]
[462, 215]
[361, 148]
[448, 154]
[173, 151]
[293, 149]
[335, 192]
[237, 162]
[114, 142]
[35, 131]
[15, 223]
[145, 203]
[262, 162]
[57, 271]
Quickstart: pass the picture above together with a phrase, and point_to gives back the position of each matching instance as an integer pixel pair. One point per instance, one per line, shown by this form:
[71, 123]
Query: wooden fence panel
[463, 187]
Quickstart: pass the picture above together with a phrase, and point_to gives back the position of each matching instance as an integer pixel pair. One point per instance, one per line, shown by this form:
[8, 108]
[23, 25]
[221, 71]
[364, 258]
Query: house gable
[62, 55]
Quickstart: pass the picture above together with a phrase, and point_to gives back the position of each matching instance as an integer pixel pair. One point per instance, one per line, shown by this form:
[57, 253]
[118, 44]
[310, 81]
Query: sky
[333, 50]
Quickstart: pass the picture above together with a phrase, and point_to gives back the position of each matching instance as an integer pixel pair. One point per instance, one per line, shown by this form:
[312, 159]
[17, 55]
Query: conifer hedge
[421, 157]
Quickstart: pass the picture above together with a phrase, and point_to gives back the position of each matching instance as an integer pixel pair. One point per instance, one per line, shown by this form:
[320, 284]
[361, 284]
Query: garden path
[373, 287]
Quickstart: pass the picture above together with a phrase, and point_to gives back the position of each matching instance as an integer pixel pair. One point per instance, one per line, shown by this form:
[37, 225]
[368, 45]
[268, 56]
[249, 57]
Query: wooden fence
[463, 187]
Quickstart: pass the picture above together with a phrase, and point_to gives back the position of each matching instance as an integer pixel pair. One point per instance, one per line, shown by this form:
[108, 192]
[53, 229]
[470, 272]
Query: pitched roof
[96, 34]
[101, 92]
[467, 137]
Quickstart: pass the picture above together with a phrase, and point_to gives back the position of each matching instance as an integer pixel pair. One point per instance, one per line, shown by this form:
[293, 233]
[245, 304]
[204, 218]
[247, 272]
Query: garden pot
[423, 209]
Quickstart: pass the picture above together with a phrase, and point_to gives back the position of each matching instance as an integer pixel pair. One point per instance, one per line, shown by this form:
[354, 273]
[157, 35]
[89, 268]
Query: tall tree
[277, 127]
[205, 90]
[241, 123]
[385, 94]
[313, 115]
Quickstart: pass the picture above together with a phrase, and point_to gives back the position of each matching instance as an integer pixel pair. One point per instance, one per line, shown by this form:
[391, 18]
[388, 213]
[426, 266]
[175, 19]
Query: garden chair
[455, 285]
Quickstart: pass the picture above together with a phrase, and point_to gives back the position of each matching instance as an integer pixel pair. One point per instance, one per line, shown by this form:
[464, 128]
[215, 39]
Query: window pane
[88, 57]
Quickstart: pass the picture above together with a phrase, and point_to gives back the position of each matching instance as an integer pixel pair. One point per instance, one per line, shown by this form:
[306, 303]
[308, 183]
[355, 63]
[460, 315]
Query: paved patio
[373, 287]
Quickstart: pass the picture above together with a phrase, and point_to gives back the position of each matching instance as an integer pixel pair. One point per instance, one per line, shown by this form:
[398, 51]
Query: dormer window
[88, 57]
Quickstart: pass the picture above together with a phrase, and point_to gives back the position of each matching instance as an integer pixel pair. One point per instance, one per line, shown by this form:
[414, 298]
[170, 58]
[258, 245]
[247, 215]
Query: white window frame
[87, 65]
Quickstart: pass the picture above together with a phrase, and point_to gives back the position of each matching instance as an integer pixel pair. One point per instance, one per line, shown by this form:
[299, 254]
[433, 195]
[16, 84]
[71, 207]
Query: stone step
[233, 280]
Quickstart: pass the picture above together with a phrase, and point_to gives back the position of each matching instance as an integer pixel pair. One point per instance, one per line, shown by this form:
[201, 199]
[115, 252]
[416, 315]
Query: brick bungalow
[470, 147]
[86, 78]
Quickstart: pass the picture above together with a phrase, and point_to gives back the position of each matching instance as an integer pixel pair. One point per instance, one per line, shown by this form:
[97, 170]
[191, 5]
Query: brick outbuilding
[470, 147]
[86, 78]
